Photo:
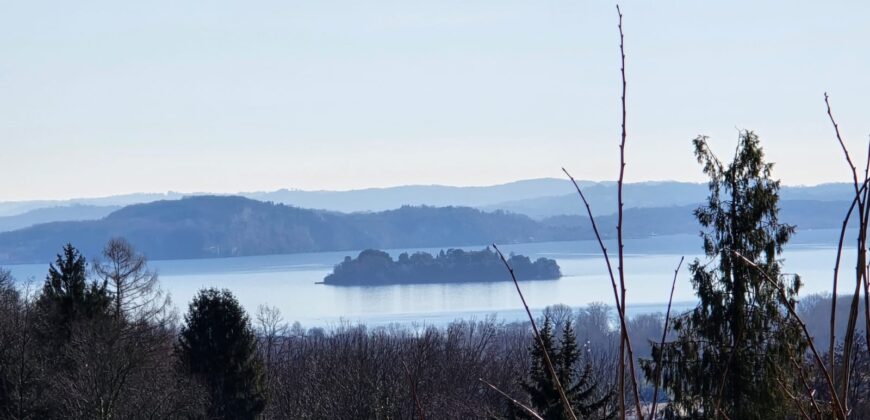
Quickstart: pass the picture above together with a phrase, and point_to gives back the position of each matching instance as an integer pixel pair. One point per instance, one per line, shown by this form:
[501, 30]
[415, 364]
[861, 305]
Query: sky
[107, 97]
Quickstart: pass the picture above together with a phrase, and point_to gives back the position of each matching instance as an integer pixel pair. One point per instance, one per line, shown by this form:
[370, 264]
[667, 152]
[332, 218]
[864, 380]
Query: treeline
[102, 341]
[454, 265]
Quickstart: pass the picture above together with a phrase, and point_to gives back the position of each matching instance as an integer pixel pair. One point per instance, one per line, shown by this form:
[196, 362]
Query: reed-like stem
[564, 397]
[658, 375]
[623, 326]
[621, 247]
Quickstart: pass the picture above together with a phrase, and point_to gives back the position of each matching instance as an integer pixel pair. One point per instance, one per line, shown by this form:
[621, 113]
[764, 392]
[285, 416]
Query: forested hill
[209, 226]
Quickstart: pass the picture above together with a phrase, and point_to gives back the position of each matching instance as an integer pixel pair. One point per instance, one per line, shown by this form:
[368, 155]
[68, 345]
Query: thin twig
[810, 392]
[860, 270]
[620, 312]
[721, 391]
[621, 252]
[795, 399]
[413, 385]
[840, 410]
[842, 144]
[544, 349]
[658, 376]
[525, 408]
[836, 277]
[863, 250]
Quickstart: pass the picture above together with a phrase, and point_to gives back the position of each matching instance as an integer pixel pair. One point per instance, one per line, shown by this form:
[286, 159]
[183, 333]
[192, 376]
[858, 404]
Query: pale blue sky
[107, 97]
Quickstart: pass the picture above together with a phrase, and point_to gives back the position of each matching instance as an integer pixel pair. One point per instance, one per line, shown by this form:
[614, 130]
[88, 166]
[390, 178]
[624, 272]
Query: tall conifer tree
[217, 345]
[734, 350]
[67, 296]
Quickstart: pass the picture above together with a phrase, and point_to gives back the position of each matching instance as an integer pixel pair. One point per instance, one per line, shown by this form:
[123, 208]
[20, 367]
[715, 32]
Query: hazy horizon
[385, 187]
[109, 98]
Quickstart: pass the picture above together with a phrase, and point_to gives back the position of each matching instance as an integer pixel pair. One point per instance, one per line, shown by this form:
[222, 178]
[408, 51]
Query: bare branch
[842, 144]
[525, 408]
[658, 376]
[621, 253]
[544, 349]
[413, 385]
[620, 312]
[861, 266]
[809, 339]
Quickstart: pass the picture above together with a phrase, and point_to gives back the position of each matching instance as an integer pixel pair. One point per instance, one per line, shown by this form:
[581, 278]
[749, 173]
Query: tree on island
[454, 265]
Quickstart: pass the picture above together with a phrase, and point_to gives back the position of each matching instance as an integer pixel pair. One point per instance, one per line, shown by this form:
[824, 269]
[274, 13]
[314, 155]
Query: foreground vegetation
[102, 342]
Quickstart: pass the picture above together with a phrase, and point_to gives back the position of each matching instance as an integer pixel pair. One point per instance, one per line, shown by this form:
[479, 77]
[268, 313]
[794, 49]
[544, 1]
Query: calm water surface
[289, 282]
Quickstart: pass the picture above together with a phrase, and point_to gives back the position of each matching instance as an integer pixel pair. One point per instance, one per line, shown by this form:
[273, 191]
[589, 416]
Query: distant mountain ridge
[602, 198]
[368, 199]
[221, 226]
[380, 199]
[538, 198]
[211, 226]
[55, 214]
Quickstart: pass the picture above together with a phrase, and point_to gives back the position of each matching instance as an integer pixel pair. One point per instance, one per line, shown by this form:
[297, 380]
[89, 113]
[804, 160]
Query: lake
[288, 281]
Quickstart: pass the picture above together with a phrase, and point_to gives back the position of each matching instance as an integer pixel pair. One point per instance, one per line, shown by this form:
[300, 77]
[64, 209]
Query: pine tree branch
[841, 413]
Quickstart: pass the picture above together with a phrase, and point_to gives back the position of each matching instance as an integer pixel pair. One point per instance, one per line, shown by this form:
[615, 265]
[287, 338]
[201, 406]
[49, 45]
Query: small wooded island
[373, 267]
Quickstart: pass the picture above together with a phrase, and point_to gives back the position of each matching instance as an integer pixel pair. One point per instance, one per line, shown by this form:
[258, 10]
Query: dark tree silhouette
[733, 350]
[67, 297]
[586, 399]
[218, 346]
[454, 265]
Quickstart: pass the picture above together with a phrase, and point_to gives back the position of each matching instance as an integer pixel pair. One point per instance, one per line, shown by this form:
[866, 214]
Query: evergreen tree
[580, 388]
[582, 391]
[67, 297]
[217, 345]
[733, 351]
[539, 386]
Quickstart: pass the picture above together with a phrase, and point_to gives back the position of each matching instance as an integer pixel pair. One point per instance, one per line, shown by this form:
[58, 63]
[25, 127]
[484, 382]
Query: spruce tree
[67, 297]
[217, 345]
[733, 351]
[543, 395]
[586, 399]
[580, 387]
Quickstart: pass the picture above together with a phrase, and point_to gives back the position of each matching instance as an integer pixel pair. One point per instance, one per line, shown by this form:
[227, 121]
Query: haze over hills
[602, 197]
[538, 198]
[380, 199]
[14, 208]
[211, 226]
[227, 226]
[55, 214]
[369, 199]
